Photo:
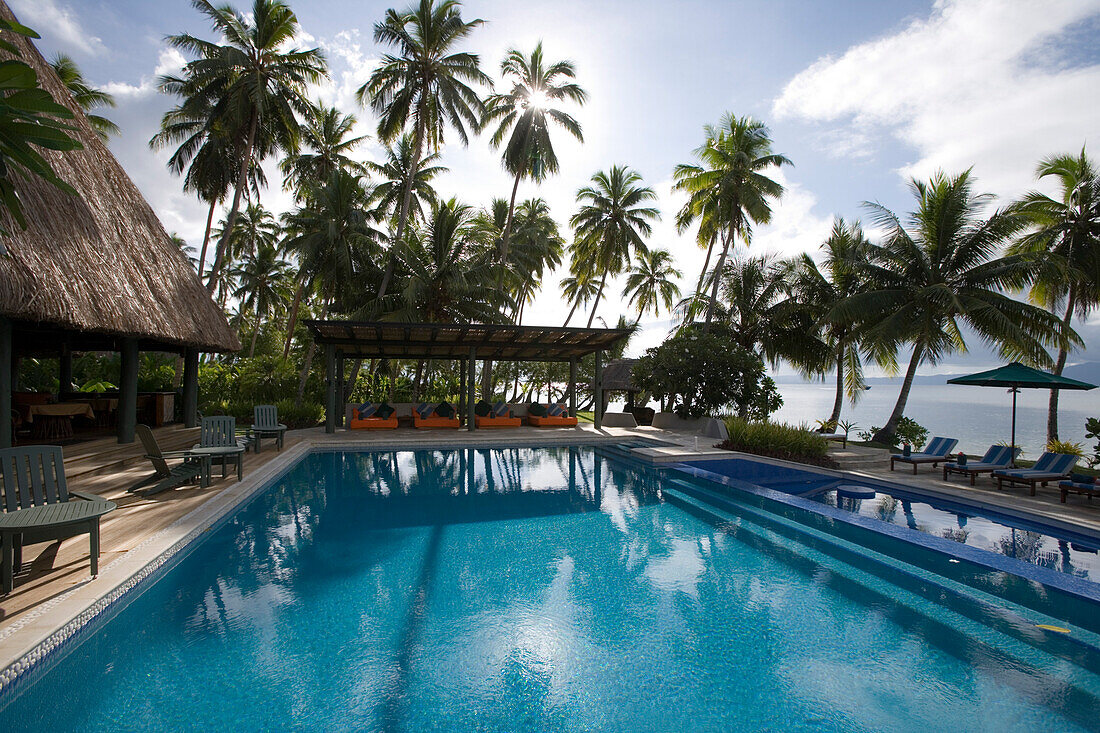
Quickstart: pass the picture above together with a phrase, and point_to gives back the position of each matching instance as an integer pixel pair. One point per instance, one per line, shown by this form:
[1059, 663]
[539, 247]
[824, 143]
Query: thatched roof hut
[99, 266]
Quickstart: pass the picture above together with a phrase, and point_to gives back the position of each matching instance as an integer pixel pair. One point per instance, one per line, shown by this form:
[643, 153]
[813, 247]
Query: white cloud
[170, 61]
[976, 83]
[57, 22]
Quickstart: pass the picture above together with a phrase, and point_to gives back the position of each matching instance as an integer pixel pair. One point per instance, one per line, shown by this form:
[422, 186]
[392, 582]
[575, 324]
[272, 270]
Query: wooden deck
[106, 468]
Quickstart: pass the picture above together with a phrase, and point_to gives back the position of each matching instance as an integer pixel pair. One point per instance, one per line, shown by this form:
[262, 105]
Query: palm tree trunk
[403, 215]
[576, 302]
[1059, 365]
[718, 276]
[242, 181]
[603, 281]
[703, 272]
[292, 320]
[255, 333]
[838, 402]
[508, 232]
[303, 376]
[889, 431]
[206, 237]
[350, 387]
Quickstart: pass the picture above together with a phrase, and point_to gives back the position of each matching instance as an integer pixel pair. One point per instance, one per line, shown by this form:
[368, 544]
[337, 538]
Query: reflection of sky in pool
[530, 590]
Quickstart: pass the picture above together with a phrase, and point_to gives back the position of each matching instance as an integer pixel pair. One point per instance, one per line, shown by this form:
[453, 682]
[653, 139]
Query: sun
[538, 100]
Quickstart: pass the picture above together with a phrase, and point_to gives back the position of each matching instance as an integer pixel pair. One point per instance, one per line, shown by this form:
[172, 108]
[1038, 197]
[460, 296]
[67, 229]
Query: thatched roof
[617, 376]
[100, 262]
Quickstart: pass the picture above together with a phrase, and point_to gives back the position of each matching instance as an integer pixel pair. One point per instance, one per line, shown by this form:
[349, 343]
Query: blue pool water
[969, 525]
[525, 590]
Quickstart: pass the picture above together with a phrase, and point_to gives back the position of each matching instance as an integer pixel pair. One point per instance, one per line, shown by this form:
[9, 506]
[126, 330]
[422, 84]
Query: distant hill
[1086, 371]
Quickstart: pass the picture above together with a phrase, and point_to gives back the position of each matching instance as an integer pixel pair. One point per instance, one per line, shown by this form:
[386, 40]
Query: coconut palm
[424, 86]
[729, 191]
[650, 283]
[396, 171]
[578, 288]
[821, 287]
[262, 288]
[522, 115]
[450, 277]
[612, 223]
[537, 249]
[251, 87]
[87, 97]
[1065, 241]
[937, 272]
[325, 133]
[255, 228]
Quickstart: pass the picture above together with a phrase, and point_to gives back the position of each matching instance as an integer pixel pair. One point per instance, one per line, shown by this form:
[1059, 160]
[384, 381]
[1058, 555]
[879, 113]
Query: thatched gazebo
[97, 272]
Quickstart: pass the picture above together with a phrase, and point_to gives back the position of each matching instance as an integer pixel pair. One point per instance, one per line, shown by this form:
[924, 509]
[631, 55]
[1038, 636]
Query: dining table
[56, 421]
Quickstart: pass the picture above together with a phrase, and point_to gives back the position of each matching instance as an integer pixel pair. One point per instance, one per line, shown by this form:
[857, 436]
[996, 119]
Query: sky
[860, 96]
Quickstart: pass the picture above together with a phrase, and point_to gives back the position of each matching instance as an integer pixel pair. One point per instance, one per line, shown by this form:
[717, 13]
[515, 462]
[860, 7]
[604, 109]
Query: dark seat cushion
[536, 409]
[444, 409]
[482, 408]
[385, 411]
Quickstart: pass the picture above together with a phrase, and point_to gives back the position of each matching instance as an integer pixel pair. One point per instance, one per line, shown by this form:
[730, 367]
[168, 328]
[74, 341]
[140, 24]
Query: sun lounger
[557, 417]
[169, 477]
[423, 421]
[936, 452]
[499, 417]
[1079, 485]
[998, 457]
[1049, 467]
[364, 418]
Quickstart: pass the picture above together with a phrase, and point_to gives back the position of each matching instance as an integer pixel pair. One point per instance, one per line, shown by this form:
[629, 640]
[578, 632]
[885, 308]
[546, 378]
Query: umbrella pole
[1012, 448]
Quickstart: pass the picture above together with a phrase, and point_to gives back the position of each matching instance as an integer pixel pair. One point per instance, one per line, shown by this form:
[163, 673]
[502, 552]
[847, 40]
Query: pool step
[859, 458]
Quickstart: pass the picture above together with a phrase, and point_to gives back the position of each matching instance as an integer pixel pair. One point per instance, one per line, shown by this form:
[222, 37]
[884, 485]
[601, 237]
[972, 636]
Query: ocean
[977, 416]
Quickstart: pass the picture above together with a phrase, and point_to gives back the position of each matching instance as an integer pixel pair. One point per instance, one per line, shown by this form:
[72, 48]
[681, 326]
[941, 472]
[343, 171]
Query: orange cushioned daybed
[432, 420]
[499, 417]
[364, 417]
[552, 421]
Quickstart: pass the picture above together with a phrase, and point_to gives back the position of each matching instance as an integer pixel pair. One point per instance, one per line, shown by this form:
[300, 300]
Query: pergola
[465, 343]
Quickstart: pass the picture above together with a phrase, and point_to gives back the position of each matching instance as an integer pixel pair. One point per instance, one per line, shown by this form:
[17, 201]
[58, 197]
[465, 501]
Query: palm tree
[611, 224]
[729, 191]
[325, 133]
[821, 288]
[538, 248]
[397, 171]
[255, 228]
[522, 116]
[87, 97]
[251, 88]
[578, 288]
[938, 272]
[1065, 240]
[262, 288]
[650, 283]
[425, 86]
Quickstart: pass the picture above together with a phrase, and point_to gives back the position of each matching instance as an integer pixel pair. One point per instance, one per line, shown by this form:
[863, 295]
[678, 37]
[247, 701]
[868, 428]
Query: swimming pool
[1067, 552]
[540, 589]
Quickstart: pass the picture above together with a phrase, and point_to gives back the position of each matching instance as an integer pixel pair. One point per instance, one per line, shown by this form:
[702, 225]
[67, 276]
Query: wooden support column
[597, 392]
[330, 388]
[471, 367]
[190, 387]
[64, 370]
[341, 389]
[461, 412]
[127, 391]
[6, 386]
[573, 387]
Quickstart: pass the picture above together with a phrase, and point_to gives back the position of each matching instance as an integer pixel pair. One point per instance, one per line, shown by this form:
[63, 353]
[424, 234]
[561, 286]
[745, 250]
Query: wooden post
[341, 389]
[127, 391]
[6, 385]
[64, 371]
[190, 387]
[461, 390]
[330, 388]
[573, 387]
[597, 392]
[471, 366]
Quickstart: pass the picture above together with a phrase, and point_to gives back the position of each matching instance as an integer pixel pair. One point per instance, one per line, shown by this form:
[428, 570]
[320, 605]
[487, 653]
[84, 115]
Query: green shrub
[309, 415]
[777, 440]
[908, 431]
[1066, 447]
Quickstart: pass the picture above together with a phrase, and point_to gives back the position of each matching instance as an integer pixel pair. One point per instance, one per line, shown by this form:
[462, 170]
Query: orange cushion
[373, 423]
[499, 422]
[549, 421]
[434, 421]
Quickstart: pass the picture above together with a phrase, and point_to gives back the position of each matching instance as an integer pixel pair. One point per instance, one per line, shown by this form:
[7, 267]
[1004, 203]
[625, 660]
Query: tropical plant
[580, 286]
[425, 85]
[394, 174]
[254, 228]
[611, 224]
[937, 271]
[325, 134]
[1065, 241]
[908, 431]
[249, 88]
[87, 97]
[537, 249]
[728, 191]
[776, 440]
[650, 282]
[29, 119]
[1092, 430]
[703, 373]
[822, 287]
[1066, 447]
[522, 115]
[262, 286]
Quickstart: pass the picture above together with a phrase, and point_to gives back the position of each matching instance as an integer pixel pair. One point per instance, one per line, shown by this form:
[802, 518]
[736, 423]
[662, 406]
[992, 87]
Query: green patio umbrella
[1016, 376]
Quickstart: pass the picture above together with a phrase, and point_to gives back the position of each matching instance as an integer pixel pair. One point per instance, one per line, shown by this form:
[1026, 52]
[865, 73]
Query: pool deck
[55, 594]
